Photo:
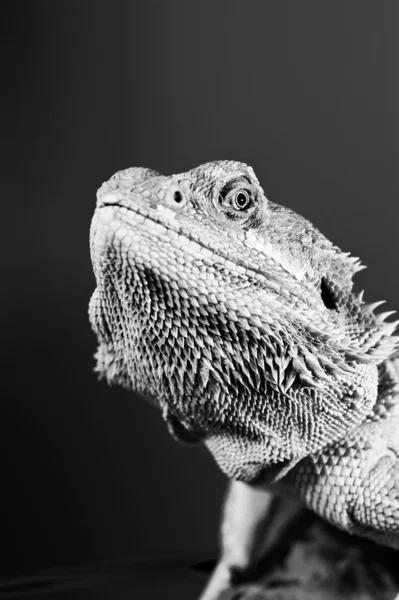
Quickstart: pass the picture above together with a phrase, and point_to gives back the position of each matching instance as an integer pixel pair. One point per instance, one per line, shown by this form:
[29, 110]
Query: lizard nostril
[178, 196]
[173, 196]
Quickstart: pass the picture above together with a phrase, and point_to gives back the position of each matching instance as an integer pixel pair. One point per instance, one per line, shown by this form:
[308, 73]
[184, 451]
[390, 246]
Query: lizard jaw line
[277, 286]
[115, 199]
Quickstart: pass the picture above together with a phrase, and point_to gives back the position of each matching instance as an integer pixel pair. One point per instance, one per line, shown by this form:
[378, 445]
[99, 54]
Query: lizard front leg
[355, 486]
[375, 514]
[252, 521]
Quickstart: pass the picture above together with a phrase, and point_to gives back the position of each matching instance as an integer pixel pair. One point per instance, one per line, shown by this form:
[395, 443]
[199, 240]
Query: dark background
[304, 91]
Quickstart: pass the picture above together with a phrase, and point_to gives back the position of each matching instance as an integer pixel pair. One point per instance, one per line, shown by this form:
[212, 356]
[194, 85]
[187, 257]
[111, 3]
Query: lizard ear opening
[326, 295]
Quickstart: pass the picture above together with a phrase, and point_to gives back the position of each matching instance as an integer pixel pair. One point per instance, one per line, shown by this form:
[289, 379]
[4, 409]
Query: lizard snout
[134, 179]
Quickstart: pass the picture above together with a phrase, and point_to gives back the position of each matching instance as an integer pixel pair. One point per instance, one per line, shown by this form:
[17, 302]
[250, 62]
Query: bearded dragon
[237, 318]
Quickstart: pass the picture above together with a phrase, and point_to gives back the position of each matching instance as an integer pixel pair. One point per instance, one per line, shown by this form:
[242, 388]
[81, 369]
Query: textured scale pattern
[236, 317]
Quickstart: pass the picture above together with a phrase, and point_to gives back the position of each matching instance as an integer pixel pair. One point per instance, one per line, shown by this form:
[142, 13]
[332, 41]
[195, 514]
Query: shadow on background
[113, 580]
[305, 92]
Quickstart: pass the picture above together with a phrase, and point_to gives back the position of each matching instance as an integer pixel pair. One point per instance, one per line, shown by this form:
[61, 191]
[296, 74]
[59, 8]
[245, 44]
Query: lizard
[237, 318]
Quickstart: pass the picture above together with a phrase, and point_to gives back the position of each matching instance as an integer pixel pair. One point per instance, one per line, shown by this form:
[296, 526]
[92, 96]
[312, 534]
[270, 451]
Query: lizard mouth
[270, 284]
[276, 284]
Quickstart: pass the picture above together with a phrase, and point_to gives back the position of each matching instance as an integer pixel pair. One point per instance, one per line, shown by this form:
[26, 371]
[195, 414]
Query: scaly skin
[236, 317]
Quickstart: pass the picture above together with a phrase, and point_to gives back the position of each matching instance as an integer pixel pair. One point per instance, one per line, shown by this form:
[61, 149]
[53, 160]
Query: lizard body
[237, 318]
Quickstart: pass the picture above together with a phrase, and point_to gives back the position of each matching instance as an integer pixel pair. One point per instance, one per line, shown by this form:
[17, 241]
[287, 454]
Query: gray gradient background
[306, 92]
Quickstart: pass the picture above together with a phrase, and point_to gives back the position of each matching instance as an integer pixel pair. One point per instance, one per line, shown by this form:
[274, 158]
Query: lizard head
[235, 315]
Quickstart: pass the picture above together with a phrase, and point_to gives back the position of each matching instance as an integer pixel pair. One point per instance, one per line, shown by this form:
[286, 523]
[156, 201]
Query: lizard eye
[241, 200]
[238, 202]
